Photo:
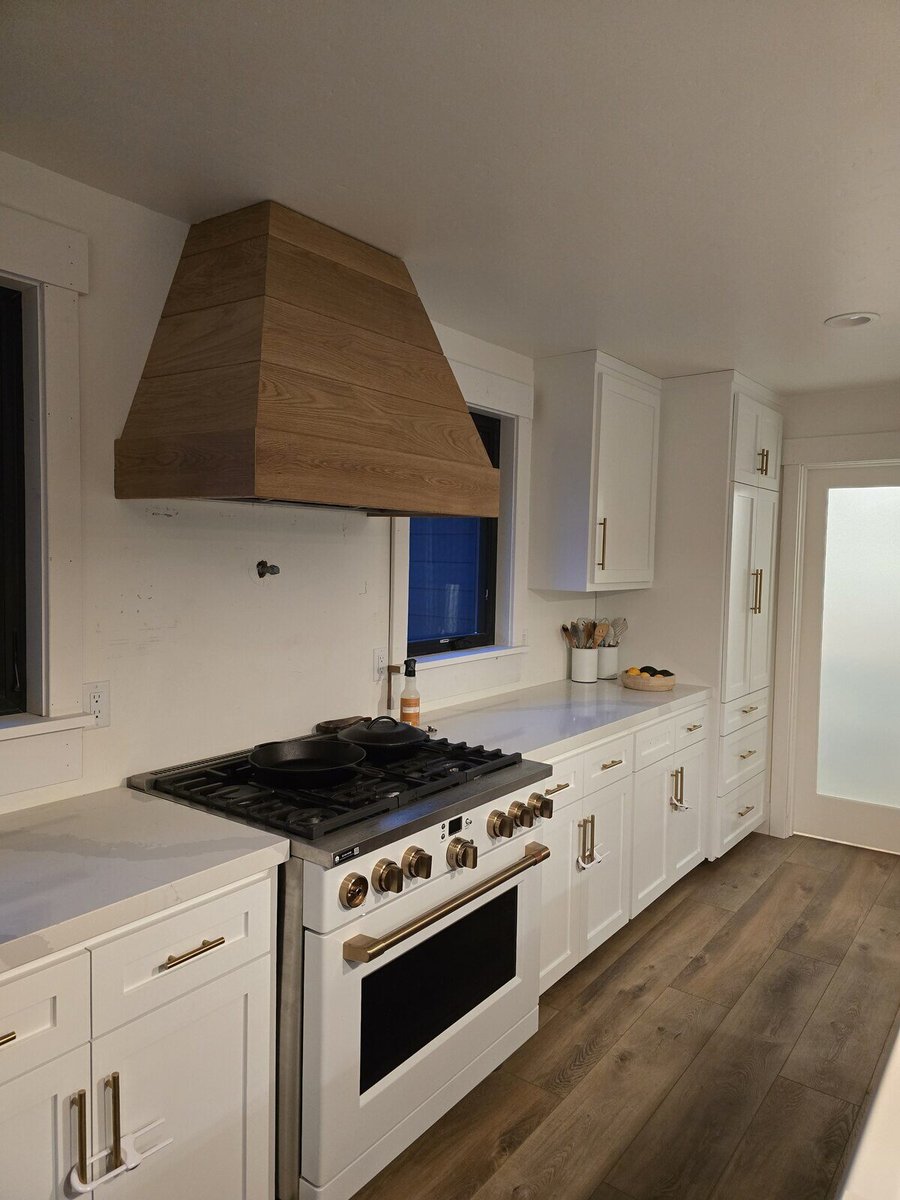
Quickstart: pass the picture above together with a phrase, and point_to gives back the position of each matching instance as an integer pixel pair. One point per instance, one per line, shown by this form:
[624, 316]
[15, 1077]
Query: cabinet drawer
[742, 810]
[567, 781]
[742, 755]
[48, 1011]
[608, 763]
[744, 711]
[653, 743]
[133, 974]
[691, 727]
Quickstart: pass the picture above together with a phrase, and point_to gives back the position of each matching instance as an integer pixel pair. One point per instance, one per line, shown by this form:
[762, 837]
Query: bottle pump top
[409, 667]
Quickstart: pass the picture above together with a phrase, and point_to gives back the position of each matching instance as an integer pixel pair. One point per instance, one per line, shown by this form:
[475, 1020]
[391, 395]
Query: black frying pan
[309, 761]
[384, 738]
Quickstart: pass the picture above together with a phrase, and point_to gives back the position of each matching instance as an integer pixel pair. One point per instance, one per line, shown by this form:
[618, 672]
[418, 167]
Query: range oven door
[450, 979]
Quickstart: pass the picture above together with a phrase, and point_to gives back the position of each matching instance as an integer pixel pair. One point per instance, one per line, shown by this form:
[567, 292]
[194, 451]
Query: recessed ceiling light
[852, 319]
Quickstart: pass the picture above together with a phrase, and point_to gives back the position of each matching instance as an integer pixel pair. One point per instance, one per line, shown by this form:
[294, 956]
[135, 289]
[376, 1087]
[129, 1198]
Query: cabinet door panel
[38, 1139]
[762, 624]
[745, 459]
[202, 1064]
[560, 916]
[768, 438]
[739, 598]
[649, 867]
[685, 834]
[606, 883]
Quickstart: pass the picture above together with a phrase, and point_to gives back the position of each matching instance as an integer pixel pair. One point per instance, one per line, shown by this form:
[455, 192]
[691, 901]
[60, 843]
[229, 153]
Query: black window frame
[13, 694]
[490, 430]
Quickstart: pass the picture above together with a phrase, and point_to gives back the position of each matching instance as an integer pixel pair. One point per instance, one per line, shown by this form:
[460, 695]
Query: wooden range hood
[293, 363]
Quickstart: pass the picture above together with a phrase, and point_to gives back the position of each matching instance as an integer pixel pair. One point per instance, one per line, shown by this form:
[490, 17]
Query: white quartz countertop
[558, 717]
[75, 869]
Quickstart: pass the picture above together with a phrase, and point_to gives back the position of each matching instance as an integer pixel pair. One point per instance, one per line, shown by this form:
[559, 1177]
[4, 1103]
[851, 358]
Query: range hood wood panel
[294, 363]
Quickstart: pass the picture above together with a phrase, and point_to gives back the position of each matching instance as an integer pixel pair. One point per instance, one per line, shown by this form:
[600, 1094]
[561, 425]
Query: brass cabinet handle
[742, 812]
[602, 563]
[756, 604]
[694, 728]
[763, 468]
[112, 1084]
[364, 948]
[552, 791]
[613, 762]
[5, 1038]
[175, 960]
[747, 754]
[759, 597]
[766, 463]
[750, 708]
[677, 799]
[593, 847]
[79, 1103]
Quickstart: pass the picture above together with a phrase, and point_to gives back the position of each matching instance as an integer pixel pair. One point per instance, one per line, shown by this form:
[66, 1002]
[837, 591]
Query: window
[453, 573]
[12, 506]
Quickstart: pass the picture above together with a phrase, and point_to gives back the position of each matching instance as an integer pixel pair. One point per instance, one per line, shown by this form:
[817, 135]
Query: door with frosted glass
[848, 734]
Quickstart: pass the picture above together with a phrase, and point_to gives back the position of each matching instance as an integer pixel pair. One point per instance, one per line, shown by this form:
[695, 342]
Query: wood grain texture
[228, 228]
[466, 1146]
[687, 1143]
[840, 1047]
[792, 1147]
[214, 401]
[214, 465]
[218, 276]
[731, 880]
[830, 922]
[826, 856]
[574, 1147]
[210, 337]
[732, 958]
[890, 895]
[573, 1044]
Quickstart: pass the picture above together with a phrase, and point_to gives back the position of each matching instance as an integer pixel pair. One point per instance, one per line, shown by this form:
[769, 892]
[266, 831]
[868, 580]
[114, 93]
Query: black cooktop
[230, 785]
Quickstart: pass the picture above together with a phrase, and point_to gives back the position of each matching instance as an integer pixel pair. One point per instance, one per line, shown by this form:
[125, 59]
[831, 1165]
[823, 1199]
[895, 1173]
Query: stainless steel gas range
[409, 942]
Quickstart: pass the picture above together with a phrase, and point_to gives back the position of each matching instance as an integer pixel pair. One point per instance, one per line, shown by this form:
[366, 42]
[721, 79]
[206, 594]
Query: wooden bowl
[655, 683]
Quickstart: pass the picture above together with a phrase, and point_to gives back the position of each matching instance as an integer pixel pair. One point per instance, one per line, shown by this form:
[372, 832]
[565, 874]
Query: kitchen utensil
[567, 634]
[601, 629]
[383, 738]
[657, 683]
[619, 629]
[309, 761]
[338, 723]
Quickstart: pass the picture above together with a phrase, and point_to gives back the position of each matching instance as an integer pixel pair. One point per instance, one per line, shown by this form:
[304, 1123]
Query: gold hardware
[175, 960]
[353, 890]
[749, 709]
[765, 462]
[593, 820]
[387, 876]
[747, 754]
[677, 799]
[521, 814]
[462, 852]
[602, 563]
[79, 1103]
[694, 728]
[112, 1083]
[501, 824]
[7, 1037]
[761, 469]
[759, 598]
[582, 829]
[560, 787]
[742, 812]
[363, 948]
[416, 863]
[541, 806]
[756, 606]
[613, 762]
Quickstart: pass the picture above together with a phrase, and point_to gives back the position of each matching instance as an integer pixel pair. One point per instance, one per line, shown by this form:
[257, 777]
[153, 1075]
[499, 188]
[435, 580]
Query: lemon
[632, 671]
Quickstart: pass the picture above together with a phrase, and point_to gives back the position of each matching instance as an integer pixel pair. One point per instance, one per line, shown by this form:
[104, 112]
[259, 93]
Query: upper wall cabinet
[593, 508]
[757, 443]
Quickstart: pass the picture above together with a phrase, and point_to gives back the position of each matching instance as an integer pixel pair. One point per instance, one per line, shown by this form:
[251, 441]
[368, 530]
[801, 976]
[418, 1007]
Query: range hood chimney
[293, 363]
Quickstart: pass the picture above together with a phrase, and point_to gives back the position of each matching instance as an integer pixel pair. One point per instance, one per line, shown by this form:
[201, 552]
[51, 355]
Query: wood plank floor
[722, 1046]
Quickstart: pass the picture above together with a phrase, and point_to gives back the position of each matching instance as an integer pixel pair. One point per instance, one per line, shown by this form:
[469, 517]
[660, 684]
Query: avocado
[668, 674]
[649, 670]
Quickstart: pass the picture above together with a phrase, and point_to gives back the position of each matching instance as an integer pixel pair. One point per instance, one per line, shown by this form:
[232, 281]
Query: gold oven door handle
[363, 948]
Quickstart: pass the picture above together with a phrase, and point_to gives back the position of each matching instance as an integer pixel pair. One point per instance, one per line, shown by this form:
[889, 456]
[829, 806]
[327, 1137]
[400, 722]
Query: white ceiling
[686, 184]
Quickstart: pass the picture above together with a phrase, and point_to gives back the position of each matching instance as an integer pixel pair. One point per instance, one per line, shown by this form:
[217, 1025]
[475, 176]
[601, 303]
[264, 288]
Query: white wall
[846, 411]
[202, 656]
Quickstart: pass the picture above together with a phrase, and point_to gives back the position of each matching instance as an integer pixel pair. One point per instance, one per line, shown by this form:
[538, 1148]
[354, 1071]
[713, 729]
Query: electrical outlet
[379, 664]
[96, 702]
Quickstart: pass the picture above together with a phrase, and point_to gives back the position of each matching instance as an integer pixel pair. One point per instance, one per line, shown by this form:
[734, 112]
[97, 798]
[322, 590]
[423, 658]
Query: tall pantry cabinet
[710, 614]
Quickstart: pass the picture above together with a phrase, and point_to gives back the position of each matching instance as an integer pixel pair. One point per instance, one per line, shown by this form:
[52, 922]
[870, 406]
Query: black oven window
[12, 506]
[413, 999]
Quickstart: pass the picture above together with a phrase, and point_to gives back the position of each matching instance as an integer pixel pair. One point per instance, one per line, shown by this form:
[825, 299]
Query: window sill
[453, 658]
[21, 725]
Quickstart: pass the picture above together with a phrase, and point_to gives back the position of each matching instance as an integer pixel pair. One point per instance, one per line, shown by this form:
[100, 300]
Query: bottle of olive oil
[409, 697]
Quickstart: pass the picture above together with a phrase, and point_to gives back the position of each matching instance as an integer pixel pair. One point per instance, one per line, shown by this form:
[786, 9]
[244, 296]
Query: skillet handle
[393, 721]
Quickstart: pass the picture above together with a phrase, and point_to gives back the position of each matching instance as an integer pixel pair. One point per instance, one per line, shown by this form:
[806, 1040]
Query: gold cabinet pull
[747, 754]
[79, 1103]
[112, 1085]
[742, 812]
[756, 604]
[763, 468]
[759, 595]
[613, 762]
[694, 728]
[560, 787]
[766, 463]
[749, 709]
[6, 1038]
[602, 563]
[175, 960]
[593, 846]
[677, 799]
[364, 948]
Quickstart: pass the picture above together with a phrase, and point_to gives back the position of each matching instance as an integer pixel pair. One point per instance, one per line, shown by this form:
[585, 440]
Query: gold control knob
[353, 891]
[462, 852]
[387, 876]
[416, 863]
[541, 806]
[521, 814]
[500, 824]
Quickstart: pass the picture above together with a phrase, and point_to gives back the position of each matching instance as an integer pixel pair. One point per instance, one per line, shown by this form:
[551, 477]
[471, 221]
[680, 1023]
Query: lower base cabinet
[669, 808]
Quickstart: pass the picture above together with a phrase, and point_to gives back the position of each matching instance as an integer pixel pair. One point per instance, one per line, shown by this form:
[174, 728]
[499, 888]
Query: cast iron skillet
[309, 761]
[383, 738]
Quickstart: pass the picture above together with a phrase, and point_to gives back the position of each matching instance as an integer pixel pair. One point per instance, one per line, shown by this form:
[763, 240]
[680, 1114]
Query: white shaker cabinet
[757, 443]
[594, 465]
[560, 932]
[749, 606]
[605, 869]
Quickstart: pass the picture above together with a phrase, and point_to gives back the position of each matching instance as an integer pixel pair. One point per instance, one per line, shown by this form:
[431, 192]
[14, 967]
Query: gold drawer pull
[552, 791]
[613, 762]
[742, 812]
[694, 728]
[5, 1038]
[750, 708]
[175, 960]
[747, 754]
[79, 1103]
[115, 1152]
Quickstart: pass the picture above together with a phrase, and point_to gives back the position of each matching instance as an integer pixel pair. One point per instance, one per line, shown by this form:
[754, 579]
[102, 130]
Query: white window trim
[49, 264]
[512, 400]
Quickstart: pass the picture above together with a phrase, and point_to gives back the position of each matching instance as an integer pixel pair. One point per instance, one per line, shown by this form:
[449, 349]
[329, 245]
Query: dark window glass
[12, 506]
[453, 573]
[407, 1003]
